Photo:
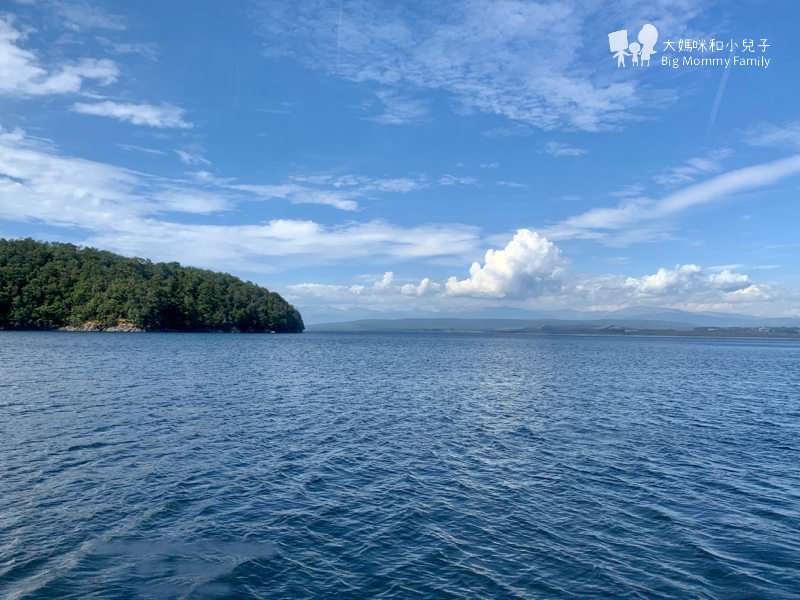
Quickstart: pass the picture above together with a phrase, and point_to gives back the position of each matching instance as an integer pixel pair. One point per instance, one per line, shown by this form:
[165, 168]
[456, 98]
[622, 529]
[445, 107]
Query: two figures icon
[618, 41]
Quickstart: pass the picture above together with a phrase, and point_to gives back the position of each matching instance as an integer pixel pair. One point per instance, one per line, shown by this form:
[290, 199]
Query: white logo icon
[618, 42]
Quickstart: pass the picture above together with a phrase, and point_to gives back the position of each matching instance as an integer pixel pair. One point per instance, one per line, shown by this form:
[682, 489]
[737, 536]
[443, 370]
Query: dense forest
[53, 285]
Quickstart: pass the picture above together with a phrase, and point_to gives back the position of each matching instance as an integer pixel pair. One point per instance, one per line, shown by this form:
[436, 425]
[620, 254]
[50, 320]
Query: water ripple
[398, 466]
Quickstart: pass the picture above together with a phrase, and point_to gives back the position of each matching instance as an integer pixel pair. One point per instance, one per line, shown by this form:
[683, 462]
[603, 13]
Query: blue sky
[417, 155]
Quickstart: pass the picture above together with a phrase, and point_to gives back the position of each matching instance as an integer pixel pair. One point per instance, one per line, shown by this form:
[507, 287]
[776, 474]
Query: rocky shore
[94, 326]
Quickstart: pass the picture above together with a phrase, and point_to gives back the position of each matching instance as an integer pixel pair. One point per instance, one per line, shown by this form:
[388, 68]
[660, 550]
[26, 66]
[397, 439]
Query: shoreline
[663, 334]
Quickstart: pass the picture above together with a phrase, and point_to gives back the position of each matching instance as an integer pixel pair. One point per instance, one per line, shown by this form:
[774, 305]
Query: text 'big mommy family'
[690, 61]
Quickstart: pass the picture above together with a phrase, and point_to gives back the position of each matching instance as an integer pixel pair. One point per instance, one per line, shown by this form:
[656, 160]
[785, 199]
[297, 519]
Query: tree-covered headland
[53, 285]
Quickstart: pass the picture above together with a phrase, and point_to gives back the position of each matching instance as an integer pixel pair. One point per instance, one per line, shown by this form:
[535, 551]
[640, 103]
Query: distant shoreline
[116, 329]
[717, 334]
[642, 334]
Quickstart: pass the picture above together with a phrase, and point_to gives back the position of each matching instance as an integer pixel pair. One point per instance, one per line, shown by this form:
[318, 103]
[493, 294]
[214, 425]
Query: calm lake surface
[403, 465]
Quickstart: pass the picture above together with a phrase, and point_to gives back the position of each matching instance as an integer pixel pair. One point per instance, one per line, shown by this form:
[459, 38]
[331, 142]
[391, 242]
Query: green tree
[49, 285]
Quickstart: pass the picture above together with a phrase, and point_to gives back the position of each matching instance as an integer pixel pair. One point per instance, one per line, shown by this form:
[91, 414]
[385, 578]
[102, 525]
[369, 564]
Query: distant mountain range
[634, 317]
[499, 325]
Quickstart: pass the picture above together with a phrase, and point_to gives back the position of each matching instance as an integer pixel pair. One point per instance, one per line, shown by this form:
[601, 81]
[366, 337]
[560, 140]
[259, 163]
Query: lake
[400, 465]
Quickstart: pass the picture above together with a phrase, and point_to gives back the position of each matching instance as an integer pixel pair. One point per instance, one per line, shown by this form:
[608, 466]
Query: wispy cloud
[80, 15]
[512, 184]
[149, 51]
[137, 214]
[453, 180]
[767, 134]
[192, 158]
[400, 110]
[141, 149]
[597, 222]
[159, 116]
[559, 149]
[520, 60]
[22, 74]
[342, 192]
[127, 212]
[629, 190]
[298, 194]
[694, 167]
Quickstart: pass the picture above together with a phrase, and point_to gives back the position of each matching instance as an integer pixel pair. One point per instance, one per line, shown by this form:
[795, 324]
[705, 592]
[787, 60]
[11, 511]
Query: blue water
[398, 465]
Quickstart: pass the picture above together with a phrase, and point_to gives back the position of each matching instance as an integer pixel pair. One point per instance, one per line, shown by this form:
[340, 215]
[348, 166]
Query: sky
[453, 155]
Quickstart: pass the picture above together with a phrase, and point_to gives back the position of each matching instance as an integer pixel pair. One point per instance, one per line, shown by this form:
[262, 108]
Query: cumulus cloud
[686, 278]
[527, 267]
[161, 116]
[22, 74]
[532, 272]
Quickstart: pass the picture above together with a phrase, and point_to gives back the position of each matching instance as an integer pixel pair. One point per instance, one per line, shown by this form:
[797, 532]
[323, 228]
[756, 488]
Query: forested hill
[53, 285]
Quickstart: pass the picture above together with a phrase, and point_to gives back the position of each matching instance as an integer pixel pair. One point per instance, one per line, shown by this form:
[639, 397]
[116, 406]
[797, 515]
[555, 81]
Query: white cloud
[297, 194]
[162, 116]
[131, 213]
[522, 60]
[82, 15]
[149, 51]
[21, 73]
[452, 180]
[140, 149]
[597, 222]
[297, 243]
[123, 211]
[512, 184]
[340, 192]
[559, 149]
[399, 185]
[629, 190]
[532, 272]
[686, 278]
[527, 267]
[720, 268]
[400, 110]
[182, 199]
[192, 158]
[687, 173]
[767, 134]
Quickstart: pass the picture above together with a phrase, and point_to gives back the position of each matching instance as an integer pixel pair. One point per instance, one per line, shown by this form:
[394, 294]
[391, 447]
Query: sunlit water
[398, 466]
